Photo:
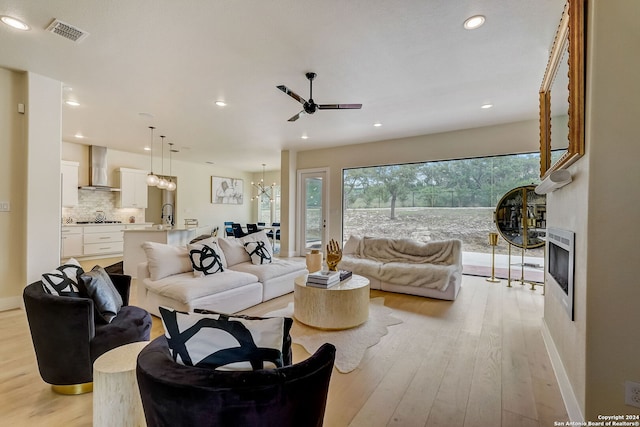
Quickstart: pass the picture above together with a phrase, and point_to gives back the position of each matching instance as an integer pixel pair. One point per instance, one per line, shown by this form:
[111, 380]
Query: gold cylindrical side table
[493, 241]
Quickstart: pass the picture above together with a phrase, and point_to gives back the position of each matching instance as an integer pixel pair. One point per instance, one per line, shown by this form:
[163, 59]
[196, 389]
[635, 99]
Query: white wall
[600, 350]
[44, 130]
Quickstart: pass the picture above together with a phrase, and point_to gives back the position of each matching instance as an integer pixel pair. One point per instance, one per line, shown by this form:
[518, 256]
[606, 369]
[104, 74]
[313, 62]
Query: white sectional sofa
[432, 269]
[167, 278]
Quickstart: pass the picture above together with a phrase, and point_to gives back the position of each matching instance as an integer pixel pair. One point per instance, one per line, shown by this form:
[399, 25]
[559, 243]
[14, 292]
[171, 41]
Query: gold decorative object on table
[334, 255]
[493, 241]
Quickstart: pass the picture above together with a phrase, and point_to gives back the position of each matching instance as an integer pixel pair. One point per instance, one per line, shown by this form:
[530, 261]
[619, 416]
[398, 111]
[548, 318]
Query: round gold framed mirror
[521, 217]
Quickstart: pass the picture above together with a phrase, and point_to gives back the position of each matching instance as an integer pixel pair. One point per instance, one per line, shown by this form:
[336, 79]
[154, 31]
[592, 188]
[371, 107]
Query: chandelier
[266, 191]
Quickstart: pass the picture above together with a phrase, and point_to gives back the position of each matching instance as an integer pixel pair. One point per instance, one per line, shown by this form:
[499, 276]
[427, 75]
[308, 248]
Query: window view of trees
[434, 200]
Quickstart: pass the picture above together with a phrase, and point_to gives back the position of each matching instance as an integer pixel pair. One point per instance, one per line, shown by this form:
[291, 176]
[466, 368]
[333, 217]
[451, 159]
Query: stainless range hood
[98, 176]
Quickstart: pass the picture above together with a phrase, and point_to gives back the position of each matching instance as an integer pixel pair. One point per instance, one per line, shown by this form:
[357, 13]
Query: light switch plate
[5, 207]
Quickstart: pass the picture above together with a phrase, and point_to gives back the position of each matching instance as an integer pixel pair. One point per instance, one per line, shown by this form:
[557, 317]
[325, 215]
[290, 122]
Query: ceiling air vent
[67, 31]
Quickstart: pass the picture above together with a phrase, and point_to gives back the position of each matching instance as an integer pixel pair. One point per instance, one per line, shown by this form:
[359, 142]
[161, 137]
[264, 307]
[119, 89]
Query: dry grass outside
[423, 224]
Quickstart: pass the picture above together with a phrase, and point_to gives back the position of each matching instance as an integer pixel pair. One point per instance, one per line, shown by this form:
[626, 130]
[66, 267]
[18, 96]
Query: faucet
[167, 218]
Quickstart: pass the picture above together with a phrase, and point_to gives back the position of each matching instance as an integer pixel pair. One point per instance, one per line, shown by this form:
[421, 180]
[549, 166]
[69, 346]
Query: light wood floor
[478, 361]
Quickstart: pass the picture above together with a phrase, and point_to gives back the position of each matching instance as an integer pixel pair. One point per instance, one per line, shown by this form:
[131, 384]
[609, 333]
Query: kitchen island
[133, 240]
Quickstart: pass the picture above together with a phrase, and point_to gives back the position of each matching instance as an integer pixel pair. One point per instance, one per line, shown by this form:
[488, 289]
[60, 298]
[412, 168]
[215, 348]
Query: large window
[434, 200]
[269, 211]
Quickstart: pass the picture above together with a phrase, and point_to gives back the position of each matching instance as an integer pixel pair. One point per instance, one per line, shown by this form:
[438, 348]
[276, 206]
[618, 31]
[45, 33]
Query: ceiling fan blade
[291, 94]
[339, 106]
[296, 117]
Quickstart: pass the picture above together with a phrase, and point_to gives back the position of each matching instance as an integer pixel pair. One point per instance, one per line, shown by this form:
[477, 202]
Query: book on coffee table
[345, 274]
[322, 285]
[324, 278]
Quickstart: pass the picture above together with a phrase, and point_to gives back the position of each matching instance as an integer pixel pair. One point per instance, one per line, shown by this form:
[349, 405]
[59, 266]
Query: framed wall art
[226, 191]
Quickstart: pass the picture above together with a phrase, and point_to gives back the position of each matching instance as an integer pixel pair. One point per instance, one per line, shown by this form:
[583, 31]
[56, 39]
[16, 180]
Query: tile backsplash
[91, 201]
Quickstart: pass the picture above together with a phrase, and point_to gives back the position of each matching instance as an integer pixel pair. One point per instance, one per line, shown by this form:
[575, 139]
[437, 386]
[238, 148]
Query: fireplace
[560, 259]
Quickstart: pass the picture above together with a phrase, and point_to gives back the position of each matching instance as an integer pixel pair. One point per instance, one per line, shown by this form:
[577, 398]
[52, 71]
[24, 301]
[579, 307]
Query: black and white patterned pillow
[205, 259]
[260, 252]
[223, 342]
[63, 281]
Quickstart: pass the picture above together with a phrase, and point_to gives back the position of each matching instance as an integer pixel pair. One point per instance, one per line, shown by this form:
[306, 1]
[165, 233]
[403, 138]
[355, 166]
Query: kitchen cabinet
[133, 188]
[71, 238]
[69, 172]
[102, 239]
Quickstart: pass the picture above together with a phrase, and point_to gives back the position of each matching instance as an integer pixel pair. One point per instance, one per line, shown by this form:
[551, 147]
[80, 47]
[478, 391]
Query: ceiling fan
[310, 107]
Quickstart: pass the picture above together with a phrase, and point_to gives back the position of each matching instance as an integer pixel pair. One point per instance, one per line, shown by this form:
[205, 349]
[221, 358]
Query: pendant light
[172, 185]
[267, 191]
[163, 183]
[152, 180]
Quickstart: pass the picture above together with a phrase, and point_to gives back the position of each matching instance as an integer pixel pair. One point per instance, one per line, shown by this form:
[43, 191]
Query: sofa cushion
[185, 288]
[98, 286]
[166, 260]
[266, 272]
[259, 252]
[64, 279]
[219, 341]
[205, 259]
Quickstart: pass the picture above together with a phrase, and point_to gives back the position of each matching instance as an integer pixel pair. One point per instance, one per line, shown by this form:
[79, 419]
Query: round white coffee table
[116, 398]
[342, 306]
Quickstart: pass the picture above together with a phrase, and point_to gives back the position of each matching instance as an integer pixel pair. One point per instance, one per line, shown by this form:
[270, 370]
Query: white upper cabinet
[133, 188]
[69, 171]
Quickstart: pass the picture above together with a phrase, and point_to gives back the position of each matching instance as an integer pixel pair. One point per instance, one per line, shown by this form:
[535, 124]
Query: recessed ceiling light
[14, 23]
[221, 103]
[377, 124]
[474, 22]
[147, 148]
[145, 115]
[486, 106]
[79, 135]
[304, 137]
[72, 103]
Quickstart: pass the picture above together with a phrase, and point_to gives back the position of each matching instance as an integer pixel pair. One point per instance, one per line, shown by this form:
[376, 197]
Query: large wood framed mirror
[562, 93]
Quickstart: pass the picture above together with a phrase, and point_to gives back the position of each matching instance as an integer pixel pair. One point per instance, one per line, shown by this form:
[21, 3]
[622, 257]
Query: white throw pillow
[260, 252]
[166, 260]
[217, 247]
[352, 245]
[205, 259]
[219, 341]
[234, 252]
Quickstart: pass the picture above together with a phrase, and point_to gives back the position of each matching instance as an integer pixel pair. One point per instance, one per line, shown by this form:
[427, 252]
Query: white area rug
[350, 343]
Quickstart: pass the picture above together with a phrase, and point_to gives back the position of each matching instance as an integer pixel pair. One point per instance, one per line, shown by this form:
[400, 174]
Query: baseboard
[10, 303]
[568, 396]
